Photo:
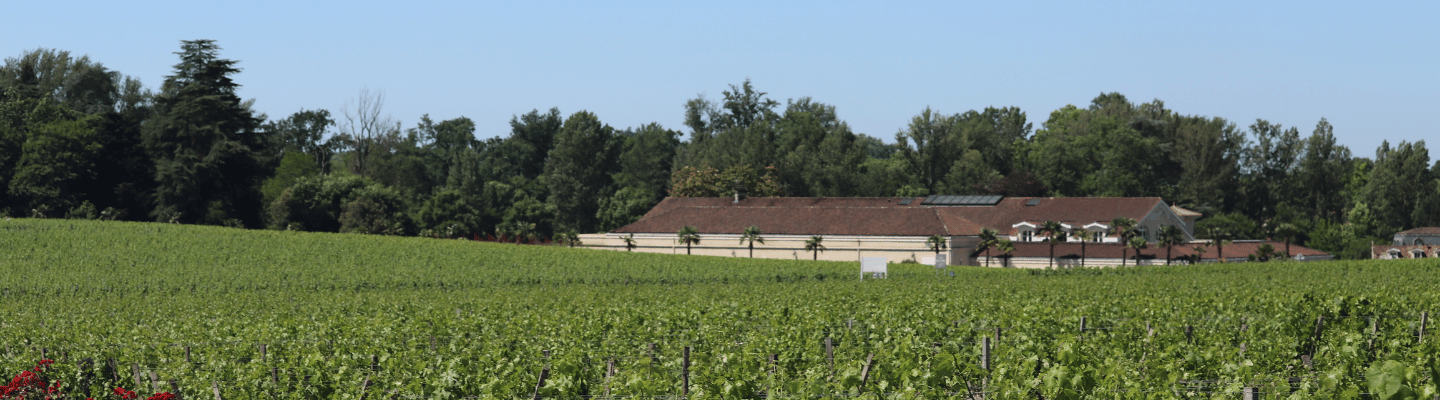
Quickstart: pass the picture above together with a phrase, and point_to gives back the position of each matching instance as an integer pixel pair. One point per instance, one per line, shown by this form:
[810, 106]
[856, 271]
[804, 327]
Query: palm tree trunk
[1124, 253]
[1052, 253]
[687, 249]
[1287, 249]
[752, 249]
[1167, 254]
[817, 255]
[987, 256]
[1082, 253]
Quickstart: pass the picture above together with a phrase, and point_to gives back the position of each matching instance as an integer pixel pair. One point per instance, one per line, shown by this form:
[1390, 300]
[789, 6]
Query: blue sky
[1373, 70]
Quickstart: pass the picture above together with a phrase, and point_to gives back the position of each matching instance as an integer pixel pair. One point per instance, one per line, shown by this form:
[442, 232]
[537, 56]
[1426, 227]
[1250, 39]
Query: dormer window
[1097, 231]
[1024, 231]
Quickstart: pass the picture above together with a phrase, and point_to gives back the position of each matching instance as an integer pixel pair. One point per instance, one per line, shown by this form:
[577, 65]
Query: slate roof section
[877, 216]
[1184, 212]
[1114, 250]
[1421, 231]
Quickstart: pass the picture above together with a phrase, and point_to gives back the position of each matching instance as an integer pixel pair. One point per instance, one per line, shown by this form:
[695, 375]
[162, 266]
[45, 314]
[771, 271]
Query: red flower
[162, 396]
[125, 394]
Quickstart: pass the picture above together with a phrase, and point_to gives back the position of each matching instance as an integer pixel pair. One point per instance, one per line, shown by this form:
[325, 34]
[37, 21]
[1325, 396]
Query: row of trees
[1052, 231]
[1123, 228]
[690, 236]
[78, 140]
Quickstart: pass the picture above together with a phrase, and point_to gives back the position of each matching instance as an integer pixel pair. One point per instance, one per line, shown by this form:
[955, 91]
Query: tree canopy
[80, 140]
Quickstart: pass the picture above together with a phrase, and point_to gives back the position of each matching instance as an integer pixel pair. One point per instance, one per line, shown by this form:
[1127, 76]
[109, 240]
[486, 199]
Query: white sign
[938, 261]
[875, 265]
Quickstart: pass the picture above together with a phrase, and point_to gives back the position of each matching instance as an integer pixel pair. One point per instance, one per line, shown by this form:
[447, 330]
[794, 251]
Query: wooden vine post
[685, 373]
[865, 372]
[216, 388]
[175, 390]
[985, 354]
[539, 383]
[1423, 317]
[365, 388]
[154, 382]
[609, 374]
[830, 356]
[114, 371]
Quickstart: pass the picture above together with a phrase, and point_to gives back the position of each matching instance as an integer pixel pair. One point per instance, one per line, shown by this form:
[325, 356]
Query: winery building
[897, 227]
[1414, 243]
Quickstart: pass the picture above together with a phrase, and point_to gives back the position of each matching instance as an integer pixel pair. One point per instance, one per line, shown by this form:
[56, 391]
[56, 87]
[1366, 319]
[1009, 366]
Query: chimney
[739, 195]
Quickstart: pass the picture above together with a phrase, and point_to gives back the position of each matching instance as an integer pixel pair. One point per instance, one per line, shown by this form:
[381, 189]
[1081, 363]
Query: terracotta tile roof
[1421, 231]
[860, 221]
[670, 203]
[1114, 250]
[878, 216]
[1076, 211]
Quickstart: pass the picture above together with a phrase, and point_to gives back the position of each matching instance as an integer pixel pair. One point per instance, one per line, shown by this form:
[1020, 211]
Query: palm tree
[1053, 232]
[688, 236]
[752, 234]
[1171, 236]
[629, 242]
[1006, 247]
[1136, 243]
[936, 243]
[1200, 252]
[813, 245]
[1288, 231]
[569, 238]
[1083, 235]
[988, 239]
[1219, 237]
[1122, 228]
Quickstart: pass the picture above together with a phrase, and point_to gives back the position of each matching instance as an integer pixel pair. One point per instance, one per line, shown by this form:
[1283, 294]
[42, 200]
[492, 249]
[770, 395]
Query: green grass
[324, 304]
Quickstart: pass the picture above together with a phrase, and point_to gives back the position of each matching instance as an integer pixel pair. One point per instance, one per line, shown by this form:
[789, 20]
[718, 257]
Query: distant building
[1414, 243]
[895, 227]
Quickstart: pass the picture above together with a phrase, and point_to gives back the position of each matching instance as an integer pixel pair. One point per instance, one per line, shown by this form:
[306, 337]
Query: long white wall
[837, 248]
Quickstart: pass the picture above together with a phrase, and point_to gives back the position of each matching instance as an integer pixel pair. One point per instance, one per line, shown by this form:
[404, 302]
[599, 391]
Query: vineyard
[211, 312]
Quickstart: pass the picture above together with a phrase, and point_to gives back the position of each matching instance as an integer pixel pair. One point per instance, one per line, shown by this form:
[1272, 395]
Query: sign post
[873, 265]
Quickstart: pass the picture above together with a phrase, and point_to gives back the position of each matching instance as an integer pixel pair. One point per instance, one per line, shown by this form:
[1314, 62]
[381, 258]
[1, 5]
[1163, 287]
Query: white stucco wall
[837, 248]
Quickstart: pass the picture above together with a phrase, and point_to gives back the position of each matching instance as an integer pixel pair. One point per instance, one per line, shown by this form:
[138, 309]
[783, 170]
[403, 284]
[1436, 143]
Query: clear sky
[1371, 68]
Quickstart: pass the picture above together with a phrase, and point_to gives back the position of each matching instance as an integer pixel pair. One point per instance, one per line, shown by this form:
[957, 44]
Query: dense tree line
[78, 140]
